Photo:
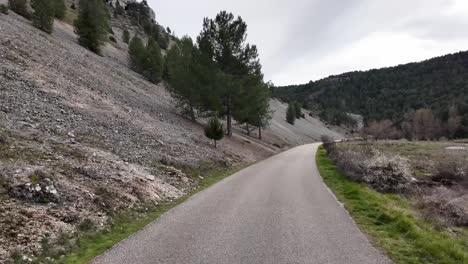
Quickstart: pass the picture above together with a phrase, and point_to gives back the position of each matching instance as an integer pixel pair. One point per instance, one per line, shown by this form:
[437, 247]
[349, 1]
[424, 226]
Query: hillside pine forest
[393, 95]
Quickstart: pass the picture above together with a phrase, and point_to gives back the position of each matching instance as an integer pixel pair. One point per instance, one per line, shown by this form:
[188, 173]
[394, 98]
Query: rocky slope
[83, 137]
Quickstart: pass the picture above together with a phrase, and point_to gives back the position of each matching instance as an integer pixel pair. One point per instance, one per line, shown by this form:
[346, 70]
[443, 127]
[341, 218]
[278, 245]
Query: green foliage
[214, 130]
[20, 7]
[392, 223]
[298, 110]
[126, 36]
[59, 8]
[146, 60]
[43, 15]
[184, 76]
[153, 65]
[137, 54]
[92, 24]
[234, 58]
[4, 9]
[291, 114]
[387, 93]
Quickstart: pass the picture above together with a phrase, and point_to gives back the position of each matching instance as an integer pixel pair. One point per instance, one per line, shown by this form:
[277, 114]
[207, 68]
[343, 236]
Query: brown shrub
[446, 205]
[451, 171]
[383, 172]
[328, 143]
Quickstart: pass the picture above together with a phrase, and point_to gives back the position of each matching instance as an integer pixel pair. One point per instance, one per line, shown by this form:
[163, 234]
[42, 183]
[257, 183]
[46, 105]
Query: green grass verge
[392, 223]
[90, 246]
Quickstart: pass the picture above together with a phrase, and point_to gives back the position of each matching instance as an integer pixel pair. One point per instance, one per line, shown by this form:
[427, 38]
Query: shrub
[328, 143]
[112, 38]
[383, 172]
[445, 204]
[20, 7]
[451, 171]
[214, 130]
[3, 9]
[43, 16]
[126, 36]
[87, 225]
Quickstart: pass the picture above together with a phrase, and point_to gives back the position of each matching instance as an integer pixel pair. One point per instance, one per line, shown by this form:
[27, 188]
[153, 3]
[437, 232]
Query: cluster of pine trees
[146, 59]
[44, 12]
[220, 75]
[92, 24]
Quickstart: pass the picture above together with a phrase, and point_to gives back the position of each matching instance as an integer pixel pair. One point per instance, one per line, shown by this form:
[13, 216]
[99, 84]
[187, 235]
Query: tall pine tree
[43, 16]
[92, 24]
[223, 41]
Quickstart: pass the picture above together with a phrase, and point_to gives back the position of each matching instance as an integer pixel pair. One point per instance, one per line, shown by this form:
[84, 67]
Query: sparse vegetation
[393, 223]
[92, 24]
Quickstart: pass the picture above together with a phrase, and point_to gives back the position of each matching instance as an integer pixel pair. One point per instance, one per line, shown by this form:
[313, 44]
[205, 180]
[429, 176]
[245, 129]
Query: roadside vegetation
[91, 243]
[409, 197]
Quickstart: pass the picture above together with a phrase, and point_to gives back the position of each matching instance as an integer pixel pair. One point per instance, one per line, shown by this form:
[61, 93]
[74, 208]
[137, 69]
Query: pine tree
[298, 110]
[223, 41]
[92, 25]
[291, 114]
[153, 66]
[214, 130]
[59, 8]
[20, 7]
[137, 54]
[43, 16]
[126, 36]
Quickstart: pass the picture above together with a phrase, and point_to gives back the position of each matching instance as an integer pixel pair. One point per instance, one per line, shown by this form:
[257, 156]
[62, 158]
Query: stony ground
[83, 137]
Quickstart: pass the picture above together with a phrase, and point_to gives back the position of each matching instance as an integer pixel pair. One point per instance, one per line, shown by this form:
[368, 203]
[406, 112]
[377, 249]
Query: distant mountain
[386, 93]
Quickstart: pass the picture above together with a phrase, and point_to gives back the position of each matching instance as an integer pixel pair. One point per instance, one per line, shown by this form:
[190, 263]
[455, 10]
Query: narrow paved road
[276, 212]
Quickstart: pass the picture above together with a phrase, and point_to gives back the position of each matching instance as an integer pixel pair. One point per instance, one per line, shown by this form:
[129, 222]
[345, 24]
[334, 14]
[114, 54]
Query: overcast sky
[303, 40]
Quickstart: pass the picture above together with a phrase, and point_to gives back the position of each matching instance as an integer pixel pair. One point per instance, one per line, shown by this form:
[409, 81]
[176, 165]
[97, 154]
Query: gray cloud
[310, 39]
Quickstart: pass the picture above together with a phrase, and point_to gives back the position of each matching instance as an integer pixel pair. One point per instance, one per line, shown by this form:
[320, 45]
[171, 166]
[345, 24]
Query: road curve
[277, 211]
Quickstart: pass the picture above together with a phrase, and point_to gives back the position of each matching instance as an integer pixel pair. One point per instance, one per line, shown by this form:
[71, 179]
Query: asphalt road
[278, 211]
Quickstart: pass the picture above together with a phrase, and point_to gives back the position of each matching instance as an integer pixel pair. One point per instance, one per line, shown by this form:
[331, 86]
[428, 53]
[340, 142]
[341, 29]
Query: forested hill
[387, 93]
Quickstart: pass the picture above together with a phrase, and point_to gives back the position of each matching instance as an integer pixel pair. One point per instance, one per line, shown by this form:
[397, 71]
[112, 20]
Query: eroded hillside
[82, 137]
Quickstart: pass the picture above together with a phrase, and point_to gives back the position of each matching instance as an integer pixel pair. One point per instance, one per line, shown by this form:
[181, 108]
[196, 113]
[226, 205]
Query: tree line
[388, 93]
[423, 124]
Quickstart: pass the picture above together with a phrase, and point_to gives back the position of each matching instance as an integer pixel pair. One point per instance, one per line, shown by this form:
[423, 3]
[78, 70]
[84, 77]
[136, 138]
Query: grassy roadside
[392, 223]
[90, 246]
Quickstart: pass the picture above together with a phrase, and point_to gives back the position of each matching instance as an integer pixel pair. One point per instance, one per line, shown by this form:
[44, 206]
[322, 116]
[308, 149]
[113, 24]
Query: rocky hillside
[83, 137]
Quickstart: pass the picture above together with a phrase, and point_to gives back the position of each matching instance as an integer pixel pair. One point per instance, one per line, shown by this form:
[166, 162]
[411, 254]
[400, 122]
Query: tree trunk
[260, 132]
[216, 146]
[229, 122]
[192, 112]
[248, 130]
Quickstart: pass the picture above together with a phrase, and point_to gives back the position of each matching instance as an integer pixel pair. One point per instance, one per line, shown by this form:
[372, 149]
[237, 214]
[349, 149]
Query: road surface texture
[276, 212]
